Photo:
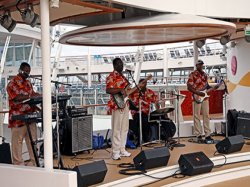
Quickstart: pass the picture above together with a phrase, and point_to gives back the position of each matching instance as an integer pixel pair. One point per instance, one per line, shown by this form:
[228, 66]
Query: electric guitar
[120, 99]
[199, 99]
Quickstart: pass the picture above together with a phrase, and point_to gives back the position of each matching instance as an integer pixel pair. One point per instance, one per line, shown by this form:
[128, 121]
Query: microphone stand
[178, 144]
[140, 113]
[225, 107]
[59, 158]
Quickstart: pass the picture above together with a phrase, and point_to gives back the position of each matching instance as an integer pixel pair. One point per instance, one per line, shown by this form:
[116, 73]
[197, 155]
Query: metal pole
[140, 118]
[47, 118]
[178, 144]
[225, 111]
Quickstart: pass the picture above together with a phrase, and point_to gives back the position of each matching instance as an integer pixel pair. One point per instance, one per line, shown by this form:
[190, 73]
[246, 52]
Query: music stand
[178, 144]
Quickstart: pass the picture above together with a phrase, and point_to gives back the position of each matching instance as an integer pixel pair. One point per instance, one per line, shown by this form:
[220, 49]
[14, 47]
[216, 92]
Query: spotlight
[54, 3]
[224, 40]
[28, 15]
[7, 22]
[200, 43]
[233, 44]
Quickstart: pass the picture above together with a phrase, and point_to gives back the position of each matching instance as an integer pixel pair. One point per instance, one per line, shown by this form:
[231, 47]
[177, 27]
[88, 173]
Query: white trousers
[204, 107]
[120, 125]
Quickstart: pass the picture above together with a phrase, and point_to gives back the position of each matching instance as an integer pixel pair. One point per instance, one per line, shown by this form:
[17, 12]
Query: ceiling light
[28, 15]
[224, 40]
[7, 22]
[200, 43]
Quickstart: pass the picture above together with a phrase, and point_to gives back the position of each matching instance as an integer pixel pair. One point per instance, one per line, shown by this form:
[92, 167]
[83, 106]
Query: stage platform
[113, 169]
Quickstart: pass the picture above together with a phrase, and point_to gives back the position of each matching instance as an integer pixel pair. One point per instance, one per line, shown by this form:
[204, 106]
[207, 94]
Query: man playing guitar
[116, 83]
[197, 84]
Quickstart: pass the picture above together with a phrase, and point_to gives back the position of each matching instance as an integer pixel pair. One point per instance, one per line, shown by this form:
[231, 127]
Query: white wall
[13, 176]
[239, 93]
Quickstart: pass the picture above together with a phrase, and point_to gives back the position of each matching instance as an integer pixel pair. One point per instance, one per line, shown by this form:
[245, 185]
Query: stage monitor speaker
[77, 135]
[230, 144]
[152, 158]
[195, 163]
[91, 173]
[5, 155]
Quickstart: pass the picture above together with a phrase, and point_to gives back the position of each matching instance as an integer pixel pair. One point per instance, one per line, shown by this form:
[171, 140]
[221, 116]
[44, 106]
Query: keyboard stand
[33, 145]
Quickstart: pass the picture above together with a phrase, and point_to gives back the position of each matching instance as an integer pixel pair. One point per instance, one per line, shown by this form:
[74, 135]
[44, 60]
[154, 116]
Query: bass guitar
[121, 100]
[199, 99]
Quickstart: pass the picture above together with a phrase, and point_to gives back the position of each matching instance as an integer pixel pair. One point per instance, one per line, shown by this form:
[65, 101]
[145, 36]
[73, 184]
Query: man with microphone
[19, 89]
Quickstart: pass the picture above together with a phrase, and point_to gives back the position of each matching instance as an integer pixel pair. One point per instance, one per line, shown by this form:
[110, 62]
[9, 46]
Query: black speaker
[195, 163]
[91, 173]
[76, 134]
[243, 124]
[230, 144]
[5, 155]
[152, 158]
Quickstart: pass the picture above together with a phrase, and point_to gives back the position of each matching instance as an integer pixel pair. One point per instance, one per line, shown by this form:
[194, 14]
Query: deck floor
[113, 169]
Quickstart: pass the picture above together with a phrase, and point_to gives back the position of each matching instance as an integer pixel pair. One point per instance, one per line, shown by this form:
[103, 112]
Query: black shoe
[209, 138]
[199, 139]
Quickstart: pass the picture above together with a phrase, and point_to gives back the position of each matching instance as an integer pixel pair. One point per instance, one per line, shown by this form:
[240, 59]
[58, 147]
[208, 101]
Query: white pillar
[89, 68]
[196, 54]
[165, 63]
[32, 51]
[3, 58]
[47, 119]
[139, 60]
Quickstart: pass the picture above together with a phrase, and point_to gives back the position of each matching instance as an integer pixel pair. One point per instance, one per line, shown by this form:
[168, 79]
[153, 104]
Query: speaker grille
[82, 133]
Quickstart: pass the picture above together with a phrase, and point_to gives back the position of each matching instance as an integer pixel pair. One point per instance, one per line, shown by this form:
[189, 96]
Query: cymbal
[162, 111]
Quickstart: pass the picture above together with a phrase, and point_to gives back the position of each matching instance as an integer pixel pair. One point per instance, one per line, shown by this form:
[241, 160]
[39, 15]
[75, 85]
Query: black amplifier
[77, 112]
[243, 124]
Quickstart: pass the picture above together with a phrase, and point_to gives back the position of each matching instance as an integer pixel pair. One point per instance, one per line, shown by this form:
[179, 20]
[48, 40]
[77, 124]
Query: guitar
[199, 99]
[121, 100]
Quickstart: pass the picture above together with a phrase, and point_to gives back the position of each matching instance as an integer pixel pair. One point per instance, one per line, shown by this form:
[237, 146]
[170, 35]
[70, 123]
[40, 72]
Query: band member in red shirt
[19, 89]
[147, 97]
[198, 82]
[116, 83]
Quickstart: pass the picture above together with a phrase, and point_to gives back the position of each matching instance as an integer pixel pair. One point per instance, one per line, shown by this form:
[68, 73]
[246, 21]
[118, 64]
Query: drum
[160, 114]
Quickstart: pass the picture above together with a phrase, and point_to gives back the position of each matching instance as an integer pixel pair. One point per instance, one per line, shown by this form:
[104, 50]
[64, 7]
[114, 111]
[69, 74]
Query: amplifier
[77, 112]
[76, 134]
[243, 124]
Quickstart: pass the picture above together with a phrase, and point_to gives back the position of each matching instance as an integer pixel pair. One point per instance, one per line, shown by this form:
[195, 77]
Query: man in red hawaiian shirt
[116, 83]
[197, 82]
[19, 89]
[147, 97]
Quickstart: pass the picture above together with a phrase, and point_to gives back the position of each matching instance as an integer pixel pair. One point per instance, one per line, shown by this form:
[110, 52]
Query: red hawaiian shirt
[197, 80]
[148, 97]
[17, 86]
[115, 80]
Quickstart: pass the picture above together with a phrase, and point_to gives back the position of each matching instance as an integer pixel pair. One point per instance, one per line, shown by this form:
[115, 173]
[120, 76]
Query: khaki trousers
[18, 135]
[204, 106]
[120, 125]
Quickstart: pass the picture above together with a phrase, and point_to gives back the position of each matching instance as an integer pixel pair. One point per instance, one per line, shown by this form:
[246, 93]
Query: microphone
[129, 68]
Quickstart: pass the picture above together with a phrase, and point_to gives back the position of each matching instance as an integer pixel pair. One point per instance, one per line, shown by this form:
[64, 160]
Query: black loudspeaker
[152, 158]
[5, 155]
[91, 173]
[243, 124]
[195, 163]
[76, 135]
[230, 144]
